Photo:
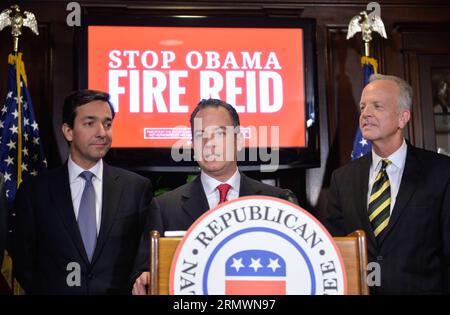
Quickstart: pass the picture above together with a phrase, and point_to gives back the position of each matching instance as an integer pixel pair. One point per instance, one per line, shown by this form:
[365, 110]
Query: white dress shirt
[77, 184]
[394, 171]
[210, 187]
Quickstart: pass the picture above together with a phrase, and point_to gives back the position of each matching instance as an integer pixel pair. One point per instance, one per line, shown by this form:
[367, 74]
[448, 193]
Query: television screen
[157, 71]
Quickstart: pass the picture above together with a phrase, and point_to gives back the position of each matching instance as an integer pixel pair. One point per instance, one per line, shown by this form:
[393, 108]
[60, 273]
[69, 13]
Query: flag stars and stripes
[7, 176]
[9, 161]
[363, 142]
[11, 145]
[35, 126]
[237, 264]
[16, 99]
[273, 264]
[255, 264]
[21, 153]
[13, 129]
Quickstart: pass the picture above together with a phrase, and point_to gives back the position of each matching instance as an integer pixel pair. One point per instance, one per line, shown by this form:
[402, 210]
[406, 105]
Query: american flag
[21, 152]
[362, 146]
[255, 272]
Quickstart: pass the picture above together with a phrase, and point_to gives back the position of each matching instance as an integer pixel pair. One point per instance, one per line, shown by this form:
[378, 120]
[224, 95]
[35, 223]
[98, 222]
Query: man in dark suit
[3, 218]
[78, 227]
[398, 194]
[217, 139]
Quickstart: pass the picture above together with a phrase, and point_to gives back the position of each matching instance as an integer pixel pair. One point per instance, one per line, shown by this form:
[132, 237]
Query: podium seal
[257, 245]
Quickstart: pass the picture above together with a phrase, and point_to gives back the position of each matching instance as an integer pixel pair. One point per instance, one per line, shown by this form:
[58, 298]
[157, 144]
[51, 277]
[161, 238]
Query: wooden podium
[352, 247]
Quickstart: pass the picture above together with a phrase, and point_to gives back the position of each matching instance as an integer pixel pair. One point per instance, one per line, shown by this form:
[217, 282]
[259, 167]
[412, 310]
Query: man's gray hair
[406, 91]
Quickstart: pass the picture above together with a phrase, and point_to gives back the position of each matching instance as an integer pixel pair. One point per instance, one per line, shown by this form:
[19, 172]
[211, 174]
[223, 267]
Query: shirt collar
[397, 158]
[210, 184]
[75, 170]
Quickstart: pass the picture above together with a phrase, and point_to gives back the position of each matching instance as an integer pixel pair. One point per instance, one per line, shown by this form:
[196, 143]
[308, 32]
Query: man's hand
[141, 284]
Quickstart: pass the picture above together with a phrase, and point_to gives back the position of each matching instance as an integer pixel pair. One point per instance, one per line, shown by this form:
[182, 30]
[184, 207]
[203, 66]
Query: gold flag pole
[13, 17]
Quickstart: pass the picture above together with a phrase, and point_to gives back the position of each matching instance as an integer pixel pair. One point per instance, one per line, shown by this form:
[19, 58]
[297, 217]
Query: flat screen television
[158, 68]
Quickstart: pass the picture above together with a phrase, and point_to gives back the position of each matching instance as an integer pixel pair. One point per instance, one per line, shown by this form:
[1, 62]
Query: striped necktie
[380, 201]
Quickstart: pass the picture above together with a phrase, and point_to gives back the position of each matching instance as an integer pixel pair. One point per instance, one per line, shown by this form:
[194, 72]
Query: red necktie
[223, 191]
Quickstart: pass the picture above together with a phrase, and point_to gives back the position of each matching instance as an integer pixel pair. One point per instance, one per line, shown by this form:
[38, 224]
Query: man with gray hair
[399, 195]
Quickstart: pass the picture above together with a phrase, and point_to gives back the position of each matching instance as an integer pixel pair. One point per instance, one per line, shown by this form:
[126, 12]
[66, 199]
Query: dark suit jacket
[414, 253]
[46, 237]
[178, 209]
[3, 217]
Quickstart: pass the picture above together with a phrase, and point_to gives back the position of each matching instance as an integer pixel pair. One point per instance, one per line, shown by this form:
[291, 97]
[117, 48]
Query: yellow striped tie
[380, 201]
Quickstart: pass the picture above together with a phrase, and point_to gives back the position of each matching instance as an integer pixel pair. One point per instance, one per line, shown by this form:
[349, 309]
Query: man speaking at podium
[217, 139]
[398, 194]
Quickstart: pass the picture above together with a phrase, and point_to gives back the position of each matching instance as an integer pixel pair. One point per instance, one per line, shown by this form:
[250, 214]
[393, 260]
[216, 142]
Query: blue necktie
[86, 215]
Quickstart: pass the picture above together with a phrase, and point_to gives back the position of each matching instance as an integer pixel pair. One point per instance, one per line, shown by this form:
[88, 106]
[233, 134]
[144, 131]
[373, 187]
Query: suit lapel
[111, 194]
[410, 178]
[61, 195]
[362, 187]
[246, 188]
[194, 201]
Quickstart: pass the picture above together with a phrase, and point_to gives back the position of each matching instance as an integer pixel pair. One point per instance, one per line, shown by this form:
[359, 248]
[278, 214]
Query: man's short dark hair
[79, 98]
[212, 102]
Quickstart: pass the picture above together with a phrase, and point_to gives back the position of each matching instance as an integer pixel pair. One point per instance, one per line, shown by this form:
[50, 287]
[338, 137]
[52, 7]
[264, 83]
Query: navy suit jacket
[46, 238]
[178, 209]
[414, 253]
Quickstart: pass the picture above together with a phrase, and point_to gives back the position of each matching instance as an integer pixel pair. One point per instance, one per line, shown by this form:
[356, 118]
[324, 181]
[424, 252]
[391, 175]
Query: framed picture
[435, 101]
[440, 80]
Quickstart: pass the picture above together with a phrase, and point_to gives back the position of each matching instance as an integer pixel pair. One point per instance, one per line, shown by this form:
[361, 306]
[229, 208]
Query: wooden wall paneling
[314, 177]
[423, 45]
[64, 69]
[415, 128]
[428, 63]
